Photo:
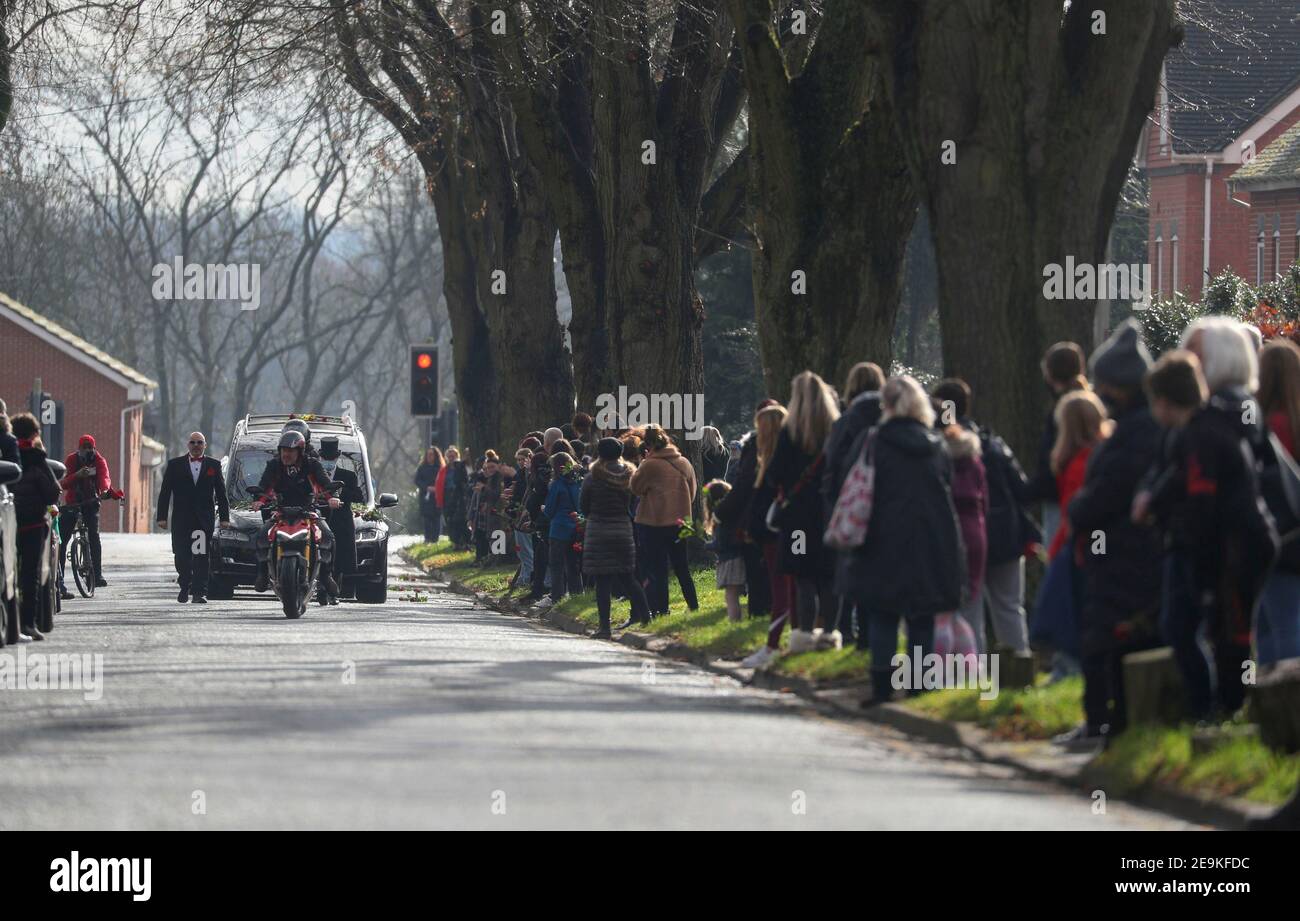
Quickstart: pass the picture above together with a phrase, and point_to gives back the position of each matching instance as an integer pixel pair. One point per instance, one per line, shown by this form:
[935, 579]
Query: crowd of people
[40, 499]
[1162, 501]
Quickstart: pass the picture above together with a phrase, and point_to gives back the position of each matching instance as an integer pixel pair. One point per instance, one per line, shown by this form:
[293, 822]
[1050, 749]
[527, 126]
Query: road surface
[440, 714]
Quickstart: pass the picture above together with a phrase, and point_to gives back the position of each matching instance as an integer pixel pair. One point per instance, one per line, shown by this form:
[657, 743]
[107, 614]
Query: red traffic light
[424, 360]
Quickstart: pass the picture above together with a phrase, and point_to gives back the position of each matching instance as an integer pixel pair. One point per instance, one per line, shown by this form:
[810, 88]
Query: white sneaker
[801, 641]
[832, 639]
[543, 603]
[759, 658]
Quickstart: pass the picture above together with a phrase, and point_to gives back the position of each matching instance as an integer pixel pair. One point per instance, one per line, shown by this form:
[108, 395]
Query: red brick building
[1226, 95]
[100, 396]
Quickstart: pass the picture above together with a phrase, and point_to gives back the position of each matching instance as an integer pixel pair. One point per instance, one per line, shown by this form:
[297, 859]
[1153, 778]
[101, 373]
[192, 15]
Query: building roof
[1278, 163]
[1238, 59]
[137, 385]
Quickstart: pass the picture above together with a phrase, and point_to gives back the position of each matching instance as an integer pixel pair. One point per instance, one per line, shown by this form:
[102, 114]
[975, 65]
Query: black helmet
[292, 439]
[297, 425]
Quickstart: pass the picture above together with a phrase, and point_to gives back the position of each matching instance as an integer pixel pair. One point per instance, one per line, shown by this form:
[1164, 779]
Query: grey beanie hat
[1123, 359]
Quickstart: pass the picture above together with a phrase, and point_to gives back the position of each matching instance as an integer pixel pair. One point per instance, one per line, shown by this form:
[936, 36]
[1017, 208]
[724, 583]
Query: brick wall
[1178, 199]
[92, 404]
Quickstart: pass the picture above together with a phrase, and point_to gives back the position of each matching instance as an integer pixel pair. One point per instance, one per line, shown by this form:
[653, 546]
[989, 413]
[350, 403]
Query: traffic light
[424, 380]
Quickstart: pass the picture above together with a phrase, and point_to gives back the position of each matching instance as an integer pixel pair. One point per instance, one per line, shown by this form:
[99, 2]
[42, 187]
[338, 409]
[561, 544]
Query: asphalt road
[440, 714]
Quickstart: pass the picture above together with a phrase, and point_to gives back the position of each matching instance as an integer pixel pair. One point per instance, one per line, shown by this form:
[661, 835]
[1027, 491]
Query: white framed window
[1160, 263]
[1277, 249]
[1259, 258]
[1173, 263]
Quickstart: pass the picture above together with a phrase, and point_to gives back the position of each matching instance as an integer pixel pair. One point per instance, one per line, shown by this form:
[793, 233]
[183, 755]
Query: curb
[1080, 775]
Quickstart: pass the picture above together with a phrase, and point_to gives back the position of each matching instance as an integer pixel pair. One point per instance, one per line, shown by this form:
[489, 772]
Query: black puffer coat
[36, 491]
[913, 562]
[608, 547]
[733, 509]
[714, 463]
[790, 473]
[539, 484]
[1208, 500]
[1122, 585]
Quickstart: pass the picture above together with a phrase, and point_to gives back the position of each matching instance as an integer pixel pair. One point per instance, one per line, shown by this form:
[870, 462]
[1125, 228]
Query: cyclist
[86, 481]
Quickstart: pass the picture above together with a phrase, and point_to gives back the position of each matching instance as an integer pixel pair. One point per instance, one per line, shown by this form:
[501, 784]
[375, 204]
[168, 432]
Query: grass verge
[1030, 713]
[1238, 765]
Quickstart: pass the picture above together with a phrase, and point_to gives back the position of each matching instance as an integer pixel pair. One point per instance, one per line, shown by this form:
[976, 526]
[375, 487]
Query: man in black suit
[191, 484]
[340, 519]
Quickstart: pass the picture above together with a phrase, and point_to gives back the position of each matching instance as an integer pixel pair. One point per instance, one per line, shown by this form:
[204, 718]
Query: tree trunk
[849, 241]
[1018, 124]
[511, 369]
[586, 114]
[830, 205]
[512, 373]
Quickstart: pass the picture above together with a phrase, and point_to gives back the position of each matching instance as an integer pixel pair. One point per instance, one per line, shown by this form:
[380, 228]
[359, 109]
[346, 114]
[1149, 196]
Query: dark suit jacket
[341, 521]
[192, 502]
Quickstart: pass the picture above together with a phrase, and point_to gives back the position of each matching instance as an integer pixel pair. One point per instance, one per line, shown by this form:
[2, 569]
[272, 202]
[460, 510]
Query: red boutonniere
[211, 472]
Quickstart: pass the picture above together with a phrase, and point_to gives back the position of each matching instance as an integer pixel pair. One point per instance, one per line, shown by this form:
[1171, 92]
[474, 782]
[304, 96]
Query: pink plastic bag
[953, 636]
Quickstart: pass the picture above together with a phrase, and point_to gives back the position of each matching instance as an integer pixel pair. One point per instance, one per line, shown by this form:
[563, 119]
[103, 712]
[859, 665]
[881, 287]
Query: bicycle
[80, 558]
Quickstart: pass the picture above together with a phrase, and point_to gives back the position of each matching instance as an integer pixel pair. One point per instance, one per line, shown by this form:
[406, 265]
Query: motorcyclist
[87, 479]
[297, 479]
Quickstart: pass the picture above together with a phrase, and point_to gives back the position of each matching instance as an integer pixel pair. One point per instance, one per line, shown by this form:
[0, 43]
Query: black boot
[263, 580]
[881, 687]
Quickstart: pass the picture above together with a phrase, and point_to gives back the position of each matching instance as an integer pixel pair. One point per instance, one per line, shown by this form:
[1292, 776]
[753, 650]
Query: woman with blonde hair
[911, 566]
[794, 474]
[1081, 425]
[714, 454]
[743, 508]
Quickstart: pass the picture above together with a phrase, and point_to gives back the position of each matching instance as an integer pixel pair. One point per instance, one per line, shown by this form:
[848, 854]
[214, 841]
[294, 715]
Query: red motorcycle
[294, 535]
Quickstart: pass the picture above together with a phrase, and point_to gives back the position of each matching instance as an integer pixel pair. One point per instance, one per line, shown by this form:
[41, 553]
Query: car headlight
[370, 534]
[232, 535]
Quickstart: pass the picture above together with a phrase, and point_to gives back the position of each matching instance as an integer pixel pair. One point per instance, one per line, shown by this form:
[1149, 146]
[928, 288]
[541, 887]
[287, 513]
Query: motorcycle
[294, 535]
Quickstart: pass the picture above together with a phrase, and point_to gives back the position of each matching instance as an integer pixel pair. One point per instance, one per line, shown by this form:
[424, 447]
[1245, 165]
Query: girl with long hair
[794, 473]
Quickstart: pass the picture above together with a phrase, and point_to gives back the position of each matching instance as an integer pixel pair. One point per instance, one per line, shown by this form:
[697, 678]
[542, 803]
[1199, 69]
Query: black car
[253, 444]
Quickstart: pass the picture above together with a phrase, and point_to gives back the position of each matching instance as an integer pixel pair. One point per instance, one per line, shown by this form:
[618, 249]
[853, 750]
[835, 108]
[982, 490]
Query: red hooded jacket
[77, 489]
